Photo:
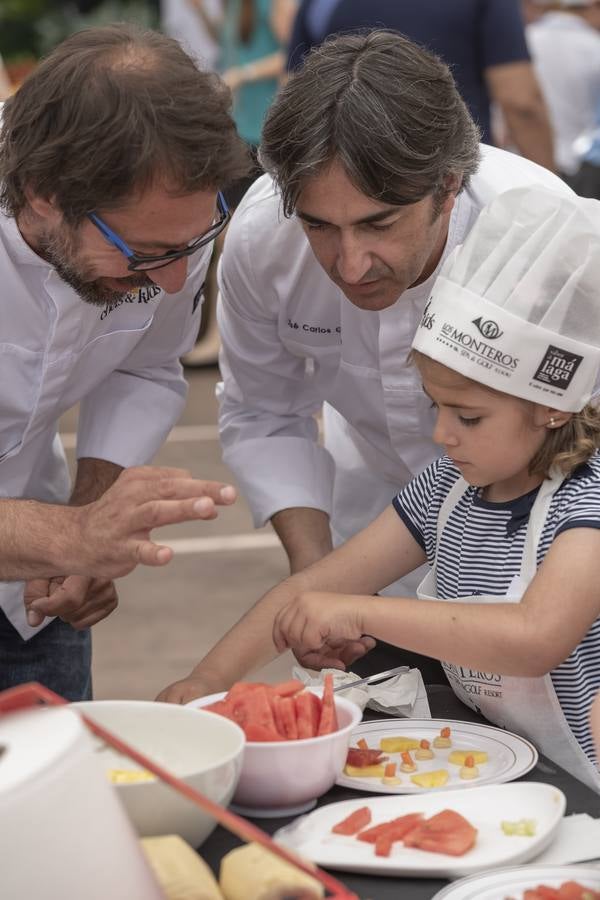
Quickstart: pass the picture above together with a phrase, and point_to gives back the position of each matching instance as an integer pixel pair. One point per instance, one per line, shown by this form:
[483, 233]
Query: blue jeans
[57, 656]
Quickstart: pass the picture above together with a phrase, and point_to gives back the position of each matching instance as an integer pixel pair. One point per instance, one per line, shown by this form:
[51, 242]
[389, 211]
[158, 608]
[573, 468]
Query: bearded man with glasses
[112, 156]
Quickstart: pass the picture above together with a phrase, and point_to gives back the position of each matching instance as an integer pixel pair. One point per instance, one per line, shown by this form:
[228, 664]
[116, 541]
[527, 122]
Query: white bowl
[285, 777]
[203, 749]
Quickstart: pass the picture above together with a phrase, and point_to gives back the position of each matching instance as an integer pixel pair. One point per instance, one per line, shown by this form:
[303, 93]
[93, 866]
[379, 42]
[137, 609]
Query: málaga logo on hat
[558, 367]
[488, 328]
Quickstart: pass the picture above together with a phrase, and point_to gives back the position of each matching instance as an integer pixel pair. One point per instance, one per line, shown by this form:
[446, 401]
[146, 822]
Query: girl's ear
[548, 417]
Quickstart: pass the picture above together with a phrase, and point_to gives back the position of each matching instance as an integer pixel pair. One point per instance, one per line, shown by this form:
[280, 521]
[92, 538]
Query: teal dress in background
[251, 101]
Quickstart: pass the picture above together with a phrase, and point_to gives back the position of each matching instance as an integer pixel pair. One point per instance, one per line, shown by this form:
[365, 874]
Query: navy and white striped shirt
[480, 553]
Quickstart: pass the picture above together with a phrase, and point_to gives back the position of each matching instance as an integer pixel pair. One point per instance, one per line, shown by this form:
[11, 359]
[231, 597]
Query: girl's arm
[526, 639]
[374, 558]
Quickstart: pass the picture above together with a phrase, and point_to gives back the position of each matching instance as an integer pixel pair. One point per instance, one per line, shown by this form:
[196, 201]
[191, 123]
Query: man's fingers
[150, 554]
[36, 588]
[177, 489]
[91, 613]
[60, 603]
[34, 618]
[65, 598]
[153, 473]
[168, 512]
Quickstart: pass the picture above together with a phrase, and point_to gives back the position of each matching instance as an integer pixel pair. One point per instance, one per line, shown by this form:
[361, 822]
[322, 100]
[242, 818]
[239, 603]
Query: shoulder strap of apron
[537, 519]
[452, 498]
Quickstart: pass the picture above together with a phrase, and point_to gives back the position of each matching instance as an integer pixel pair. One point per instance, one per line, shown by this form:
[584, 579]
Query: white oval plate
[484, 807]
[499, 885]
[509, 755]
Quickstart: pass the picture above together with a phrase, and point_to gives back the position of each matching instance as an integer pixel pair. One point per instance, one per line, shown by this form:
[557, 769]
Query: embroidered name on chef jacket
[309, 328]
[140, 295]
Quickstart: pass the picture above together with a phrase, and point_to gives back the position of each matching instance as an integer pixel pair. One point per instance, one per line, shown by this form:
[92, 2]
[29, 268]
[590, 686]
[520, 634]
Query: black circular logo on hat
[488, 328]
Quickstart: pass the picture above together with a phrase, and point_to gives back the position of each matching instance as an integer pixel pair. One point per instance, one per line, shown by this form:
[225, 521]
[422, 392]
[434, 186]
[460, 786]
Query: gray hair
[385, 108]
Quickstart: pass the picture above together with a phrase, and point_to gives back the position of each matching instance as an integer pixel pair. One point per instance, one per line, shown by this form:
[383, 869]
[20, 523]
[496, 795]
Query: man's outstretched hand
[114, 534]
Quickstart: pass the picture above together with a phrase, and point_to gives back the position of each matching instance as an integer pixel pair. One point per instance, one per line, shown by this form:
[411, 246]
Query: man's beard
[60, 250]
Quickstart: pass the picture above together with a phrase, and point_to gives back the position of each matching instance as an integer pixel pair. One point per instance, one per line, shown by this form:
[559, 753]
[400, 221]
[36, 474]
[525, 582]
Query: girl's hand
[313, 620]
[339, 655]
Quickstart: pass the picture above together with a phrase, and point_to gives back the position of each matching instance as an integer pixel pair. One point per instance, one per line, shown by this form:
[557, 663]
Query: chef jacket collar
[18, 248]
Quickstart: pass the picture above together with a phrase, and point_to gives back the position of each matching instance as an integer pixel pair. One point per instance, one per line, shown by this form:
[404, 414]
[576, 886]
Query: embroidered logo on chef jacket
[140, 295]
[197, 297]
[427, 319]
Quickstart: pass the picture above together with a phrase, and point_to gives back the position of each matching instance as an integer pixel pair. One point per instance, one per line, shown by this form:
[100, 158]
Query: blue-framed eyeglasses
[137, 261]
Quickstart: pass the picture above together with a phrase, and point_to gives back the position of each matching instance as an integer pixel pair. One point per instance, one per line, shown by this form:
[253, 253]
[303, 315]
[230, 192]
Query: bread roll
[181, 873]
[253, 872]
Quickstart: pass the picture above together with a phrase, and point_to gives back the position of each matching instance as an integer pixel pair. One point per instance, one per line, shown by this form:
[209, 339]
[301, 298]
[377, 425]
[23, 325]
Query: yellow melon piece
[457, 757]
[365, 771]
[129, 776]
[398, 744]
[438, 778]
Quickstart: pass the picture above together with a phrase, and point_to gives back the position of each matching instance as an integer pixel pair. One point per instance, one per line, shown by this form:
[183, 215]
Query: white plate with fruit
[434, 835]
[433, 754]
[569, 883]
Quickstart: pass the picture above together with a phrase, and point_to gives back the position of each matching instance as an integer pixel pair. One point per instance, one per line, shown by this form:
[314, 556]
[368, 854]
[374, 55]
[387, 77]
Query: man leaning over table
[376, 175]
[111, 157]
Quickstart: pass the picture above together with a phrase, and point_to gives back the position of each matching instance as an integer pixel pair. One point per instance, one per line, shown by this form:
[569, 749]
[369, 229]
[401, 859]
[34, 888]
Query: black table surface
[444, 705]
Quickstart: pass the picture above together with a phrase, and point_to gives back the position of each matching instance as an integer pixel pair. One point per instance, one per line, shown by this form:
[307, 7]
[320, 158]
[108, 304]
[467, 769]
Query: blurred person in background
[531, 11]
[195, 24]
[586, 181]
[254, 39]
[253, 33]
[565, 47]
[482, 41]
[112, 153]
[5, 83]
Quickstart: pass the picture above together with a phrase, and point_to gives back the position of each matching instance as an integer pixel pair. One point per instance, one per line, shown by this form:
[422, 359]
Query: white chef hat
[517, 306]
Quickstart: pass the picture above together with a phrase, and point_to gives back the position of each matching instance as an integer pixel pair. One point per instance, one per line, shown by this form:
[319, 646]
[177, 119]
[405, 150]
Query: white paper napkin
[577, 840]
[403, 695]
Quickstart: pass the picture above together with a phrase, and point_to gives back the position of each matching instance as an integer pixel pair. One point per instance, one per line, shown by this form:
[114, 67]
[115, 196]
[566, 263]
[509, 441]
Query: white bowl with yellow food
[204, 750]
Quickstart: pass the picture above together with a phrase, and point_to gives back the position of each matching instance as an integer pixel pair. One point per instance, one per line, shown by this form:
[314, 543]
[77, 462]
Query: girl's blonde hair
[571, 445]
[566, 447]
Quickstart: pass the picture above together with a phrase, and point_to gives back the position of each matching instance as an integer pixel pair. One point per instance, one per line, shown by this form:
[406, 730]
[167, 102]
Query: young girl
[508, 518]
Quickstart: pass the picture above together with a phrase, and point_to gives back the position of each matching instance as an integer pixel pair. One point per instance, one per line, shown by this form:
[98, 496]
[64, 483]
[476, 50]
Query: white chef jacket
[292, 341]
[565, 51]
[121, 362]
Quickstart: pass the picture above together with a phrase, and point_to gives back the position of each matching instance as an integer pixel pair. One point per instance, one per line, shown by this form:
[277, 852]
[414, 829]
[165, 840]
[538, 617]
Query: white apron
[527, 706]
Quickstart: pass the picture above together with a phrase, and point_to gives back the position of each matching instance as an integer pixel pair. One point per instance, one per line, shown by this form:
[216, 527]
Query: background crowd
[529, 70]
